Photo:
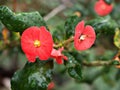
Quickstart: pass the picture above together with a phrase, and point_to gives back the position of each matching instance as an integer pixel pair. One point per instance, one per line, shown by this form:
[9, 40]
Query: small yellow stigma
[37, 43]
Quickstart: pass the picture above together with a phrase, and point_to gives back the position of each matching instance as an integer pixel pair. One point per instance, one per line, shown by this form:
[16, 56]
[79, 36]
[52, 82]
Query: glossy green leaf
[70, 24]
[117, 38]
[71, 61]
[34, 76]
[108, 1]
[73, 67]
[115, 62]
[58, 34]
[75, 72]
[19, 22]
[103, 25]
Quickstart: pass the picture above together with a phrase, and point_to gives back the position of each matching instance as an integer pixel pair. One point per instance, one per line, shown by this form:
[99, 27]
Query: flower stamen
[82, 37]
[37, 43]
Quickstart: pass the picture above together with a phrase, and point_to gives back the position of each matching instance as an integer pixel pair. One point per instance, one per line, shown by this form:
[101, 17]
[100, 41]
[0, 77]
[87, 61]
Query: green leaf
[73, 67]
[19, 22]
[58, 34]
[109, 1]
[75, 72]
[117, 38]
[103, 25]
[71, 60]
[115, 62]
[34, 76]
[70, 24]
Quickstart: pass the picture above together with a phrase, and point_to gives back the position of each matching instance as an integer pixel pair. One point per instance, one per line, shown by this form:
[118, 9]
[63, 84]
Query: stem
[98, 63]
[54, 12]
[64, 43]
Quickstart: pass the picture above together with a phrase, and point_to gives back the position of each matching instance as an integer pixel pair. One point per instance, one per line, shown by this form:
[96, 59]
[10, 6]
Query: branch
[64, 43]
[14, 5]
[55, 11]
[100, 63]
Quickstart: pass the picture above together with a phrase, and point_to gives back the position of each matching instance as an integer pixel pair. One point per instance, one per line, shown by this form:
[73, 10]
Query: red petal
[61, 49]
[51, 86]
[78, 31]
[58, 55]
[45, 49]
[99, 8]
[89, 31]
[43, 53]
[27, 40]
[54, 53]
[45, 36]
[28, 47]
[59, 60]
[65, 57]
[31, 33]
[79, 28]
[31, 58]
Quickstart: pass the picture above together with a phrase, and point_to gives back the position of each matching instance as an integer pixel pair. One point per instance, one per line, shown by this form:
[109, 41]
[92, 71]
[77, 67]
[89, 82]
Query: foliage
[35, 76]
[70, 24]
[21, 20]
[103, 25]
[73, 67]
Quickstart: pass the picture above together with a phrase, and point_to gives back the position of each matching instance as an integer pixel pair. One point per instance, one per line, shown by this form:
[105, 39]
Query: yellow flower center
[37, 43]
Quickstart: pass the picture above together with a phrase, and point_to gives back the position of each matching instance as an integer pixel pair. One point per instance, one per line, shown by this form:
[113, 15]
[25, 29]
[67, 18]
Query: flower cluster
[38, 43]
[102, 8]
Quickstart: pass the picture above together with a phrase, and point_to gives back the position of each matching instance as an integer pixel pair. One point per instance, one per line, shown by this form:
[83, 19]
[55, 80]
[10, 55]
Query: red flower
[102, 8]
[84, 36]
[51, 86]
[36, 42]
[58, 55]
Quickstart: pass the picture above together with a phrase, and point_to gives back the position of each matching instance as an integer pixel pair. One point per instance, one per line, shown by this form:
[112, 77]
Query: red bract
[84, 36]
[102, 8]
[36, 42]
[51, 86]
[58, 55]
